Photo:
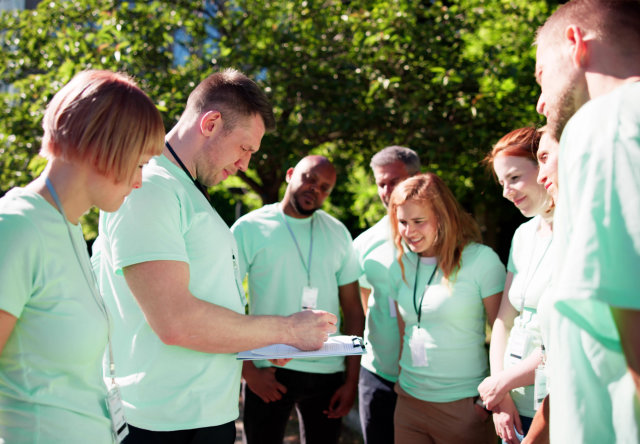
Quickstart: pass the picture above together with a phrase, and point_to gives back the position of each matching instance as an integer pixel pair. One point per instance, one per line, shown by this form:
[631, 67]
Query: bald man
[298, 257]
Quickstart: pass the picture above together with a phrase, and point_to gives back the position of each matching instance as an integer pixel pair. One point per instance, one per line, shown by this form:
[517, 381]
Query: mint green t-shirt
[376, 253]
[277, 275]
[167, 387]
[597, 229]
[598, 219]
[530, 261]
[51, 386]
[454, 318]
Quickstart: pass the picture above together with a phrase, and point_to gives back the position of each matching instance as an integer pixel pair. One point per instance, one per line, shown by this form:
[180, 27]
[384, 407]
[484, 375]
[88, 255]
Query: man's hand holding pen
[309, 329]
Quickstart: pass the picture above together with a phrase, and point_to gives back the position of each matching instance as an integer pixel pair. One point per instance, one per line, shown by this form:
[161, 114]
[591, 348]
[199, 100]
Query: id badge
[116, 411]
[392, 308]
[519, 341]
[309, 298]
[418, 346]
[540, 389]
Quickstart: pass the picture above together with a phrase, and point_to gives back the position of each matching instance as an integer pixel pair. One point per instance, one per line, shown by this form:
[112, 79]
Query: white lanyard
[531, 273]
[306, 267]
[93, 284]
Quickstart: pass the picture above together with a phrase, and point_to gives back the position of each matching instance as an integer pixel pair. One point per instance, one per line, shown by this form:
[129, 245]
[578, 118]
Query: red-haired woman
[516, 337]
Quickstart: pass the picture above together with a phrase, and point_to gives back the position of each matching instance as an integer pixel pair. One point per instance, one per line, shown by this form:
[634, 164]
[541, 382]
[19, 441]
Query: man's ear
[287, 177]
[579, 50]
[209, 122]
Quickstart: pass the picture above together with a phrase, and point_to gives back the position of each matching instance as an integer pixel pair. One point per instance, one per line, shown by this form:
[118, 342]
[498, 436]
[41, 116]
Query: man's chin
[305, 211]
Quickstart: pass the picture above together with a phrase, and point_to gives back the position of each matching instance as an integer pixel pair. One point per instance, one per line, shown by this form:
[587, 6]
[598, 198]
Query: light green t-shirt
[376, 253]
[277, 275]
[168, 387]
[454, 318]
[597, 231]
[598, 219]
[531, 265]
[51, 386]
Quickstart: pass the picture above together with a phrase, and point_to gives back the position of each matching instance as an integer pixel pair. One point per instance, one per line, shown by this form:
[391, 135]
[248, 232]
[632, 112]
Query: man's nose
[540, 106]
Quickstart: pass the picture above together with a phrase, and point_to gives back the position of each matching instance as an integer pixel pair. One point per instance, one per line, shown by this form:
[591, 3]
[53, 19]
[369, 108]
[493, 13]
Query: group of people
[138, 342]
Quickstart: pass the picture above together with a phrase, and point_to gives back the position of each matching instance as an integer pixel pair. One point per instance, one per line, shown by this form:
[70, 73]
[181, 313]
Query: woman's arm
[628, 325]
[491, 306]
[539, 430]
[493, 389]
[501, 328]
[7, 323]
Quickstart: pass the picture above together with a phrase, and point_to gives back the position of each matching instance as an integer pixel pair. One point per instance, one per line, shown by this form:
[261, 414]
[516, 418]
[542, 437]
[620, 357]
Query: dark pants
[222, 434]
[377, 402]
[310, 393]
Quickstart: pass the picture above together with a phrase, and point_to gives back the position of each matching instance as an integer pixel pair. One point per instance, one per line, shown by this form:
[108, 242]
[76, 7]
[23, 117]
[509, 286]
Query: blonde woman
[99, 130]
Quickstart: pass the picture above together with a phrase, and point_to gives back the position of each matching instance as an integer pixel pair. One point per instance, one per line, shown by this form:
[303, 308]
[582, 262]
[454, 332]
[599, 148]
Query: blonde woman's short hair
[104, 119]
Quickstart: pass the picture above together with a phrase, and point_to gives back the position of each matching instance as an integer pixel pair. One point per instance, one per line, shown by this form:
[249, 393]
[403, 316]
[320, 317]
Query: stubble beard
[300, 209]
[565, 109]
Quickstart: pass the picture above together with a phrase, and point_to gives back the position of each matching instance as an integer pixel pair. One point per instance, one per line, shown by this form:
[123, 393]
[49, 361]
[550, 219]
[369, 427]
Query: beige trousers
[456, 422]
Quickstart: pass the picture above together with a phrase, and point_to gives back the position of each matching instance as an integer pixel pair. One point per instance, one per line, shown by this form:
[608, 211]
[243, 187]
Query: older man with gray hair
[379, 367]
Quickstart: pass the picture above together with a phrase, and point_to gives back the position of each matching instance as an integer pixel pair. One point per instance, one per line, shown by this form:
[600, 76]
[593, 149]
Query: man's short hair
[234, 95]
[104, 119]
[610, 20]
[396, 153]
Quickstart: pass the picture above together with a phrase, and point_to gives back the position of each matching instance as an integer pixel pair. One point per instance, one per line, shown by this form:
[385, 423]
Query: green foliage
[345, 78]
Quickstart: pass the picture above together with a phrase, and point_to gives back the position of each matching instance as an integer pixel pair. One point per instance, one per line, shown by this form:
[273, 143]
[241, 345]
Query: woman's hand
[492, 391]
[505, 418]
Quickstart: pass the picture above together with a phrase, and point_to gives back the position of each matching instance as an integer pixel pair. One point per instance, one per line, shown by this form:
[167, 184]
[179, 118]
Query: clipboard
[341, 345]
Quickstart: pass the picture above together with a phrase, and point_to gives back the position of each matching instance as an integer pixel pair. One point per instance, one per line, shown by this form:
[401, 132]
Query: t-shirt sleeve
[20, 261]
[350, 269]
[601, 208]
[490, 272]
[149, 226]
[359, 248]
[619, 255]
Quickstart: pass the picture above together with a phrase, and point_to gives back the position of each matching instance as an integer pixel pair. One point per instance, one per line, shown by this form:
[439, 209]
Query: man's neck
[182, 147]
[290, 210]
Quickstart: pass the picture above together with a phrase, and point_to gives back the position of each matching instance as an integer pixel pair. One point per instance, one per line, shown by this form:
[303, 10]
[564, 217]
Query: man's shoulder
[267, 214]
[158, 171]
[332, 222]
[268, 211]
[373, 237]
[384, 252]
[610, 120]
[617, 105]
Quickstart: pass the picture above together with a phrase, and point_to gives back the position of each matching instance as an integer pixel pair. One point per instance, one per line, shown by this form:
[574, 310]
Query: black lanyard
[198, 185]
[418, 308]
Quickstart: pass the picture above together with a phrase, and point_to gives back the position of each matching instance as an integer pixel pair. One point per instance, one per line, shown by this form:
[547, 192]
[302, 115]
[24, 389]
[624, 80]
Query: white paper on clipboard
[341, 345]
